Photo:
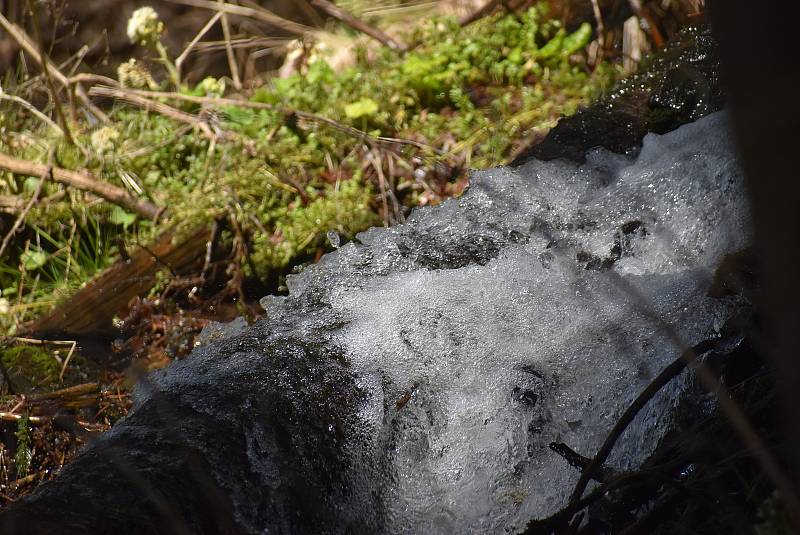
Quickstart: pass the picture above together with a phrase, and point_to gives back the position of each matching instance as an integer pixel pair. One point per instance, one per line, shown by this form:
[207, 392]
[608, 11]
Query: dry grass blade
[226, 33]
[634, 44]
[266, 44]
[51, 86]
[600, 28]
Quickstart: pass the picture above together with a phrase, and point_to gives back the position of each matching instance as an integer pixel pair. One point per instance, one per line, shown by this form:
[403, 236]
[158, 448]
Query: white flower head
[104, 139]
[5, 306]
[144, 28]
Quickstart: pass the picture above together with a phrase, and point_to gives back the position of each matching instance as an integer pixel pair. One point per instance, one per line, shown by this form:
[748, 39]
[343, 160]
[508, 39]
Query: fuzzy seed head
[104, 139]
[135, 75]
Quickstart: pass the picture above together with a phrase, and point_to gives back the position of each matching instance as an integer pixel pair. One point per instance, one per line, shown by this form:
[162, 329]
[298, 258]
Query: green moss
[22, 458]
[30, 366]
[471, 91]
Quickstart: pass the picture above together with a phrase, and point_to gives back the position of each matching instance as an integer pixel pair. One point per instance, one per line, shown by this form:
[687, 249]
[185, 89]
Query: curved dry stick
[83, 182]
[308, 116]
[727, 406]
[352, 21]
[151, 105]
[666, 375]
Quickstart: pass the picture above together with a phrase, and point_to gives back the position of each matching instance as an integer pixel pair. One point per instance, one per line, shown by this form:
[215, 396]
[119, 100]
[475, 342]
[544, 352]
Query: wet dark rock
[680, 84]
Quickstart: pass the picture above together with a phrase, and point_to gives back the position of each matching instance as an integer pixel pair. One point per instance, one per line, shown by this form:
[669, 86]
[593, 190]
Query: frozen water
[412, 382]
[496, 323]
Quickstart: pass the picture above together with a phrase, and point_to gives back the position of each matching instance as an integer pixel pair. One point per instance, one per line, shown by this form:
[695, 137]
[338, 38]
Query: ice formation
[487, 327]
[412, 382]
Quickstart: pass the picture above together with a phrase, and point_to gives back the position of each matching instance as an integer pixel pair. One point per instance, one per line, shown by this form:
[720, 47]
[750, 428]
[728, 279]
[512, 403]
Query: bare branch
[82, 181]
[357, 24]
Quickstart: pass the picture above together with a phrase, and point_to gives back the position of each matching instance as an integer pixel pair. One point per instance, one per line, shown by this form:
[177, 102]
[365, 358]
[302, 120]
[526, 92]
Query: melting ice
[485, 328]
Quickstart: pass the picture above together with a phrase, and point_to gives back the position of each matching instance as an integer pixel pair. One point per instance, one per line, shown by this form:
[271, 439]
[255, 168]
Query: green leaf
[553, 46]
[366, 107]
[576, 40]
[120, 217]
[33, 259]
[240, 115]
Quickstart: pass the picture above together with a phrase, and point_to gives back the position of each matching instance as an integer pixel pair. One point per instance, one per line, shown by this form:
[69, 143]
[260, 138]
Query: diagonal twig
[186, 51]
[727, 406]
[484, 11]
[357, 24]
[307, 116]
[31, 108]
[666, 375]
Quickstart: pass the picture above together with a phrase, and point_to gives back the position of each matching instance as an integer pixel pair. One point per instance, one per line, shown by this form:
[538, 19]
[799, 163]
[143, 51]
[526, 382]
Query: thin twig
[82, 181]
[75, 391]
[357, 24]
[387, 191]
[727, 406]
[66, 360]
[12, 417]
[311, 117]
[210, 246]
[666, 375]
[35, 197]
[92, 78]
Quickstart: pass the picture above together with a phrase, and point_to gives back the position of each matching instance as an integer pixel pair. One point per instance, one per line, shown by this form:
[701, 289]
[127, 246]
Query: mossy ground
[470, 94]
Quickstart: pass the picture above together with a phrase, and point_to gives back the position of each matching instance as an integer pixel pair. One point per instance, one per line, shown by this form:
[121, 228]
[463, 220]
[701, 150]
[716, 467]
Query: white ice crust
[487, 327]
